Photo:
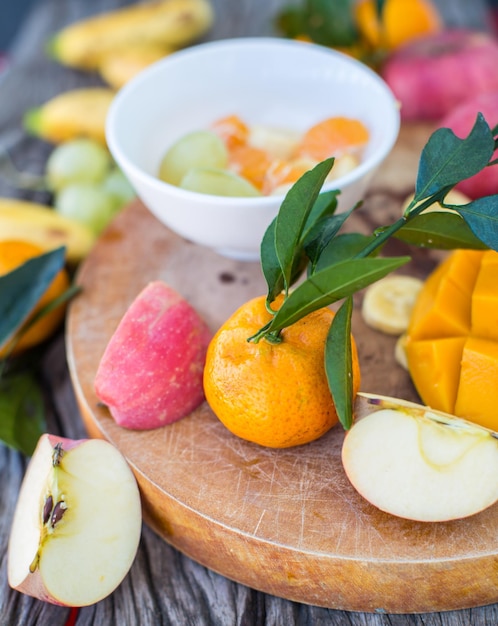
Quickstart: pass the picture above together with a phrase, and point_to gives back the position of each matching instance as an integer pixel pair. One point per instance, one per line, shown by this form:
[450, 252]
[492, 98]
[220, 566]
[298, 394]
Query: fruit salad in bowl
[286, 105]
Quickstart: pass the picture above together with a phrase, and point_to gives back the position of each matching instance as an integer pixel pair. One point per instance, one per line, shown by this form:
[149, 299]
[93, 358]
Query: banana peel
[170, 23]
[42, 226]
[119, 66]
[71, 114]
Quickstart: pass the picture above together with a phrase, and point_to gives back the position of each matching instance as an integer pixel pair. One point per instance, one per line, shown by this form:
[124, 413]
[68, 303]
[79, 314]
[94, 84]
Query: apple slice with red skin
[433, 74]
[151, 371]
[420, 464]
[77, 523]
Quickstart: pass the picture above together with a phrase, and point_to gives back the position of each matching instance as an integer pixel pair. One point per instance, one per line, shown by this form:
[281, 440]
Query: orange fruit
[273, 394]
[232, 130]
[452, 338]
[402, 21]
[14, 253]
[285, 173]
[333, 136]
[251, 163]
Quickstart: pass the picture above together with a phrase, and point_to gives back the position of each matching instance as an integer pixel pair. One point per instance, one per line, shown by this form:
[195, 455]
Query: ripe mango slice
[452, 338]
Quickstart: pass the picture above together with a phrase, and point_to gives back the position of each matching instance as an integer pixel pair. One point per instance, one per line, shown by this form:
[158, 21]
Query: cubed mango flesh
[452, 338]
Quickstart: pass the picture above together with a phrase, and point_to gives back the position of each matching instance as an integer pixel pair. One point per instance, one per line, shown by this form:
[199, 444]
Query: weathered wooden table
[163, 586]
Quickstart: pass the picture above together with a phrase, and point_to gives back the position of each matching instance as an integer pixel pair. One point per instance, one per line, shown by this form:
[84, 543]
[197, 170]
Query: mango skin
[452, 339]
[151, 371]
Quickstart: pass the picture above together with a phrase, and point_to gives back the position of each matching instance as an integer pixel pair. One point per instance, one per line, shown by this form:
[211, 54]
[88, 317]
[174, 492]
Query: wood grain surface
[286, 522]
[164, 586]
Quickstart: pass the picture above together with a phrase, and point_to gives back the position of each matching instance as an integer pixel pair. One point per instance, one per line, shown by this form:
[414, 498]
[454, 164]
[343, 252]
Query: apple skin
[432, 75]
[422, 465]
[85, 554]
[461, 120]
[151, 371]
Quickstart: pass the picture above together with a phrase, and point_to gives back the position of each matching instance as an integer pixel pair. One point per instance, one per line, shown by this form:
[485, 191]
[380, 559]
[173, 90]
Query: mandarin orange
[402, 21]
[14, 253]
[272, 394]
[333, 136]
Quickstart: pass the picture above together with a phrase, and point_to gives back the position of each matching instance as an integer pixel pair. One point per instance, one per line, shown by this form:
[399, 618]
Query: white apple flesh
[77, 523]
[421, 464]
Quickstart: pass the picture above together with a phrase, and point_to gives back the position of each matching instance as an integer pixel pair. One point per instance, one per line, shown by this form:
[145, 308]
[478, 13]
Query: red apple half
[77, 523]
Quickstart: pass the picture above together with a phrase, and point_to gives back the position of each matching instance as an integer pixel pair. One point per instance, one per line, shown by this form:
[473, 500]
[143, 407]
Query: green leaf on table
[338, 363]
[482, 217]
[441, 230]
[22, 420]
[21, 289]
[330, 285]
[447, 159]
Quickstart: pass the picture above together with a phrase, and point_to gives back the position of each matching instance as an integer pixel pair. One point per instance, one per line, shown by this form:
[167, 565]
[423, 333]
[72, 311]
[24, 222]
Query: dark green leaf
[22, 419]
[332, 284]
[440, 230]
[322, 233]
[338, 363]
[22, 288]
[323, 21]
[343, 247]
[293, 216]
[447, 160]
[482, 217]
[325, 204]
[291, 21]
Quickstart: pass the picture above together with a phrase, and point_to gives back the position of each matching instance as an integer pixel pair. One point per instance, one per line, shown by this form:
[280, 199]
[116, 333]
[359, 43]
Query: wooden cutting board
[286, 522]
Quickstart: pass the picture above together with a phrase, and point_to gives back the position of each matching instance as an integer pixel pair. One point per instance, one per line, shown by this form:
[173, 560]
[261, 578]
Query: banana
[119, 66]
[174, 23]
[388, 303]
[400, 352]
[42, 226]
[71, 114]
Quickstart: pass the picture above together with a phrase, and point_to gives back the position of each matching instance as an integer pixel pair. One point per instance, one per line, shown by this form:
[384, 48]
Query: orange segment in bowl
[250, 163]
[232, 130]
[281, 174]
[333, 137]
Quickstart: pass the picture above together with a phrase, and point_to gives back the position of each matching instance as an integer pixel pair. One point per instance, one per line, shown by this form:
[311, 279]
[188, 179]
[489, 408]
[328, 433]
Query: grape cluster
[87, 184]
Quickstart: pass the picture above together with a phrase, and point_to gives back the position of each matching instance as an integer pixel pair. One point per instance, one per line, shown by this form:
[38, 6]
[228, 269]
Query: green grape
[218, 182]
[117, 184]
[88, 203]
[77, 161]
[198, 149]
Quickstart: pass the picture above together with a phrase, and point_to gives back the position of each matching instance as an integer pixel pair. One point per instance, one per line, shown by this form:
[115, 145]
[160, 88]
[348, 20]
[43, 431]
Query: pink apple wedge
[432, 75]
[77, 523]
[151, 371]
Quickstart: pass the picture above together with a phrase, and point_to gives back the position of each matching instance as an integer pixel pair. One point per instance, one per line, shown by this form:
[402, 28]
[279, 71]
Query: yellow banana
[42, 226]
[71, 114]
[388, 303]
[174, 23]
[119, 66]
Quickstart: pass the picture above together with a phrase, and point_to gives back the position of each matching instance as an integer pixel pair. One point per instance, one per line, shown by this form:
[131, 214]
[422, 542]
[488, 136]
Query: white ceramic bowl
[270, 81]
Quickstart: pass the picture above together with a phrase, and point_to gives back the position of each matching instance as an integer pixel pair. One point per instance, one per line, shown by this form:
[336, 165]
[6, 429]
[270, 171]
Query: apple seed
[47, 509]
[59, 510]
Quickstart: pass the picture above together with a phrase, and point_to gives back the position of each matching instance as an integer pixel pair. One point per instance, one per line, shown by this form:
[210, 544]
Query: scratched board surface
[283, 521]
